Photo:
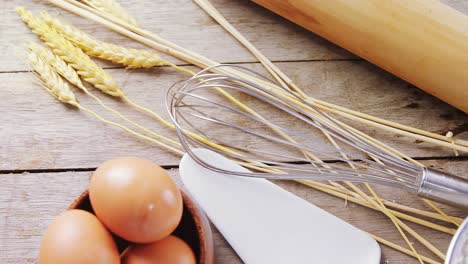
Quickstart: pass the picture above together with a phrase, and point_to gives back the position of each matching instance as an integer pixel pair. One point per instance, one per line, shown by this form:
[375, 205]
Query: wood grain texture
[38, 133]
[29, 202]
[184, 23]
[420, 41]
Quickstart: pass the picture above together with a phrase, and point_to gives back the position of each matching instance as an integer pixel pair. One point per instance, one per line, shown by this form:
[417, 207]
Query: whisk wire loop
[197, 101]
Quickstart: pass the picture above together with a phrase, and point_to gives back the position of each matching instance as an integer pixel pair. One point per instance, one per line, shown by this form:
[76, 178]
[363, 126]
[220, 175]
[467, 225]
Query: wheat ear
[113, 8]
[132, 58]
[82, 63]
[50, 80]
[55, 85]
[67, 72]
[85, 67]
[62, 68]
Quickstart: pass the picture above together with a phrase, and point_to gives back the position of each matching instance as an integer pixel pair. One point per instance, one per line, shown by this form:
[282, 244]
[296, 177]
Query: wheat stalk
[132, 58]
[50, 80]
[112, 8]
[156, 42]
[55, 85]
[67, 72]
[85, 67]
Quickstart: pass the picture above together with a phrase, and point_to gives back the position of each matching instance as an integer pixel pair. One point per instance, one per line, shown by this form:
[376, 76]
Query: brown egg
[77, 237]
[170, 250]
[136, 199]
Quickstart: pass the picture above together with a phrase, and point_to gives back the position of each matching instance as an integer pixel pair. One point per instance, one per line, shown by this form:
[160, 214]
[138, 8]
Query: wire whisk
[279, 135]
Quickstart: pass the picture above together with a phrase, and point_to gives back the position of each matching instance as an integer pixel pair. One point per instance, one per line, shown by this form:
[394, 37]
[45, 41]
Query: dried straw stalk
[152, 40]
[283, 79]
[114, 8]
[67, 72]
[56, 86]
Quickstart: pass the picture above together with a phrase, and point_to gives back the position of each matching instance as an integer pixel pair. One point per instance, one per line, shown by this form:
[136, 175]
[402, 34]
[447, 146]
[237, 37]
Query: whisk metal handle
[445, 188]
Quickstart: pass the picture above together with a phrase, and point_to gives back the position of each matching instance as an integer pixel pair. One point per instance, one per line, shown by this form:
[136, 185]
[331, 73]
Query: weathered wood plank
[184, 23]
[27, 209]
[39, 133]
[28, 202]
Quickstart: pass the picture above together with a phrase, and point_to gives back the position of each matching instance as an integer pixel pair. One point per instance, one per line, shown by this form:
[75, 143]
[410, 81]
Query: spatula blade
[267, 224]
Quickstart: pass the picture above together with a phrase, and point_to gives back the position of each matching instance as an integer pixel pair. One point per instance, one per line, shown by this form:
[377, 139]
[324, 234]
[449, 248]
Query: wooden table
[48, 150]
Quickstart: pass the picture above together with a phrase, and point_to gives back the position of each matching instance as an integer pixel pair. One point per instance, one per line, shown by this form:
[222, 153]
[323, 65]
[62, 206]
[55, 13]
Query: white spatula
[266, 224]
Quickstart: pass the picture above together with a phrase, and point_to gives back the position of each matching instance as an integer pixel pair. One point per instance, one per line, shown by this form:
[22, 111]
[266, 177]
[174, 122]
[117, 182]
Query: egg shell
[77, 237]
[170, 250]
[136, 199]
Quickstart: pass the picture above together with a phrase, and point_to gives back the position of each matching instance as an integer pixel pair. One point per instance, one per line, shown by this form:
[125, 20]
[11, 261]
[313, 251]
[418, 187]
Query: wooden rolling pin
[424, 42]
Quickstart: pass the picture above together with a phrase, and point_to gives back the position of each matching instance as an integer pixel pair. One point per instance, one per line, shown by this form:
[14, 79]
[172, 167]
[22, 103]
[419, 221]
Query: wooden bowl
[194, 228]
